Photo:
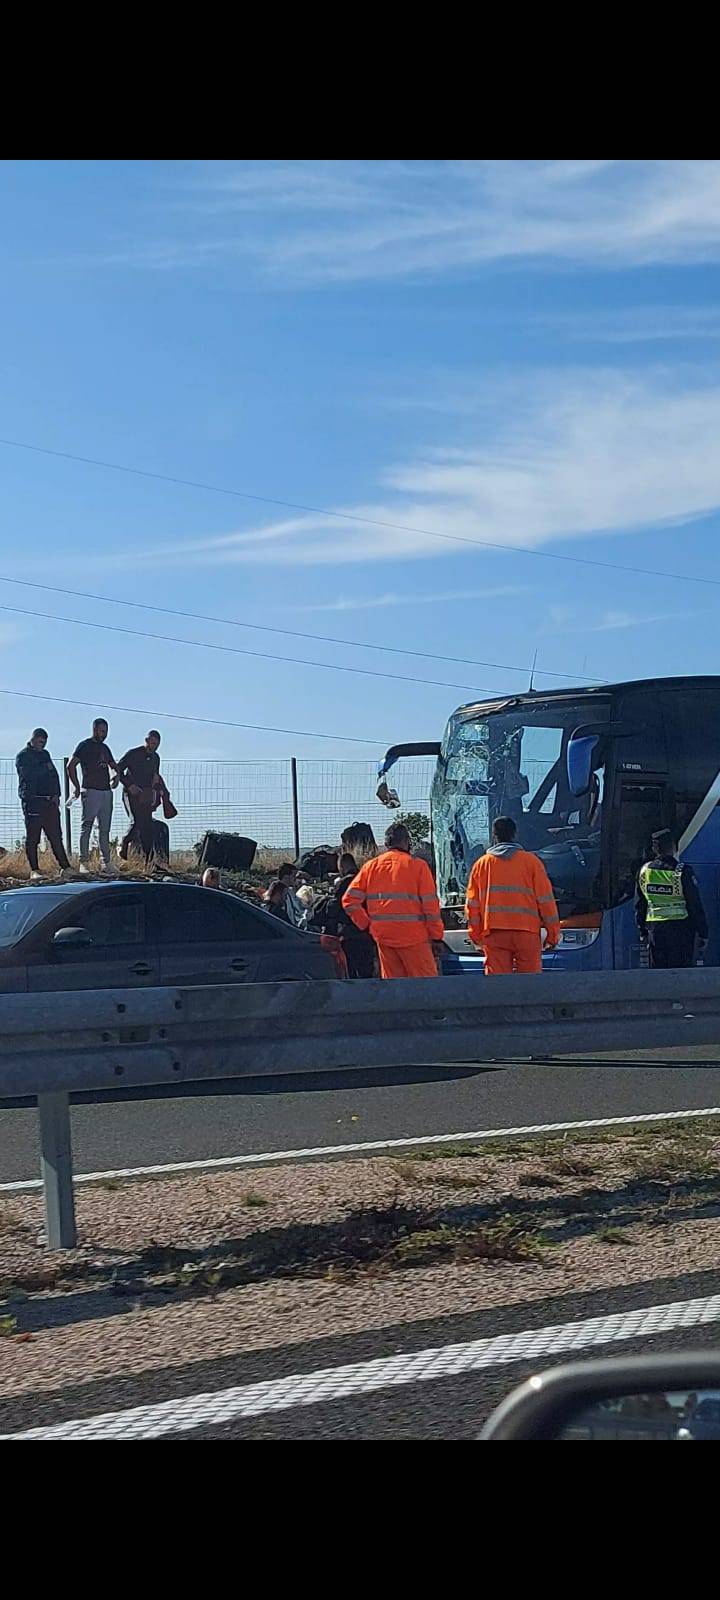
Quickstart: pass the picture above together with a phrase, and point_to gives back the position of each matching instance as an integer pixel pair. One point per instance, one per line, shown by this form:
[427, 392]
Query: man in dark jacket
[668, 910]
[358, 948]
[39, 791]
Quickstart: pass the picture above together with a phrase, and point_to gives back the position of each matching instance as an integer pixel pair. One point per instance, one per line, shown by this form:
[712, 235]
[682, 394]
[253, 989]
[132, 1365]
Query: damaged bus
[588, 775]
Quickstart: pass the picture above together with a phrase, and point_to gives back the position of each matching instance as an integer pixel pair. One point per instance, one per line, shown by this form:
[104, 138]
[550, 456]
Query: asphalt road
[442, 1408]
[130, 1133]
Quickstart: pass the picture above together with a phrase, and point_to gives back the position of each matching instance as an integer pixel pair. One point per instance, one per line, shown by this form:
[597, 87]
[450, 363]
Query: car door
[207, 936]
[120, 955]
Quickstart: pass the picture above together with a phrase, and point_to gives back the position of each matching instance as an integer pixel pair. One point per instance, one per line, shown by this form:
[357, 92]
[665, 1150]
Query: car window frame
[38, 939]
[269, 933]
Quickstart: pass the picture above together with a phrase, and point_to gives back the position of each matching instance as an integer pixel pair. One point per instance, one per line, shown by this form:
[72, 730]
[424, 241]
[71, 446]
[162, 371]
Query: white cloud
[381, 602]
[563, 619]
[639, 324]
[614, 621]
[341, 221]
[591, 453]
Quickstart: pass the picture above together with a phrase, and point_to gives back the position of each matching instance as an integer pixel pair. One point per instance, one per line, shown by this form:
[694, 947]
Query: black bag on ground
[321, 862]
[228, 850]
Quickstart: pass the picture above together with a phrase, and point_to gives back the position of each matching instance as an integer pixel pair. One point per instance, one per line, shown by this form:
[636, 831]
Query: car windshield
[20, 910]
[513, 763]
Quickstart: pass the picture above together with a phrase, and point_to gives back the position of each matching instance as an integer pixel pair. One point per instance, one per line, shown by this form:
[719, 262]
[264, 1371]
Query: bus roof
[593, 691]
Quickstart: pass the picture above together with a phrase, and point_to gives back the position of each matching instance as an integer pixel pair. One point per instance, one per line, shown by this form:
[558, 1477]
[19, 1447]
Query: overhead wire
[236, 650]
[177, 716]
[289, 633]
[351, 516]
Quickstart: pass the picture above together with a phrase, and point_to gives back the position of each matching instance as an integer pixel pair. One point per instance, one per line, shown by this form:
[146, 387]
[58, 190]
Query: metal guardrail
[53, 1045]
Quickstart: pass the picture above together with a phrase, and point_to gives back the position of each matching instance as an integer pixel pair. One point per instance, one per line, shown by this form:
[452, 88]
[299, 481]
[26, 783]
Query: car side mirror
[651, 1397]
[71, 939]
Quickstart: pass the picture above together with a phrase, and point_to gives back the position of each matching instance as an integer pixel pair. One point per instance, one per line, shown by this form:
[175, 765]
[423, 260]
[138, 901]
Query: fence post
[67, 808]
[56, 1169]
[295, 808]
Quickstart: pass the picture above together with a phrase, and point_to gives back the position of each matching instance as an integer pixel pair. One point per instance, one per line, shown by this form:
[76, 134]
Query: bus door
[642, 808]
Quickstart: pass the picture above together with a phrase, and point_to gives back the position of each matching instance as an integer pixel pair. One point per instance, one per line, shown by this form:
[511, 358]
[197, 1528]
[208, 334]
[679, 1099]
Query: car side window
[205, 916]
[112, 921]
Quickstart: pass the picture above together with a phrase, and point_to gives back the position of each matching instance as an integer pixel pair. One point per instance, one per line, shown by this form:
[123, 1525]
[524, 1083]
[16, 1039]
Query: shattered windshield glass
[513, 763]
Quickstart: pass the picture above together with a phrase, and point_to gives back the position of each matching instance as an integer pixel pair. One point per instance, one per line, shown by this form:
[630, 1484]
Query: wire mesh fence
[249, 797]
[255, 798]
[332, 794]
[12, 826]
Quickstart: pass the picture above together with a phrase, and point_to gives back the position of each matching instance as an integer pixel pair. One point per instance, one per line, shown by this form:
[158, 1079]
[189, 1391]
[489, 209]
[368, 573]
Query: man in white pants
[96, 759]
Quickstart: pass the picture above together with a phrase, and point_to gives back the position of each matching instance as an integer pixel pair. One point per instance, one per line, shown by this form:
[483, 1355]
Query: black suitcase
[321, 862]
[228, 850]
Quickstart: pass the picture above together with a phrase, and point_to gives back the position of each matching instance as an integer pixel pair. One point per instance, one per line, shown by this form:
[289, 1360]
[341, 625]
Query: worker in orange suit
[395, 899]
[509, 901]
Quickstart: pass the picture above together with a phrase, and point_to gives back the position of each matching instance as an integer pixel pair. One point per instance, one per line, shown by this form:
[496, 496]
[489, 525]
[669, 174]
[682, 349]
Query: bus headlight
[578, 937]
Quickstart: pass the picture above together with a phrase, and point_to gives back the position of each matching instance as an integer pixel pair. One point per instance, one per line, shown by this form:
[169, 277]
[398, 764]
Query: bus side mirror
[387, 797]
[580, 751]
[390, 797]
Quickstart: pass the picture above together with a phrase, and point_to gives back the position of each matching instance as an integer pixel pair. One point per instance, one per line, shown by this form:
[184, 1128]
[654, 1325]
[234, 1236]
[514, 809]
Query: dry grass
[438, 1178]
[567, 1166]
[15, 872]
[268, 860]
[675, 1161]
[683, 1135]
[14, 865]
[14, 869]
[374, 1240]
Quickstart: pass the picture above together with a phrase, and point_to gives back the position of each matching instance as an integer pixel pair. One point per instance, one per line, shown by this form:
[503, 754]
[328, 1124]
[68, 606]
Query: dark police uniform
[669, 912]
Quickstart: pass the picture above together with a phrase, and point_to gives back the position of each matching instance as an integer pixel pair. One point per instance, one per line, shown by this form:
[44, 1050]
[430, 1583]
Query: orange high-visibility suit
[394, 896]
[509, 900]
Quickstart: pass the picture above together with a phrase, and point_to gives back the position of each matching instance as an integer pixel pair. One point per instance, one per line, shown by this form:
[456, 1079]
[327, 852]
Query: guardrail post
[56, 1169]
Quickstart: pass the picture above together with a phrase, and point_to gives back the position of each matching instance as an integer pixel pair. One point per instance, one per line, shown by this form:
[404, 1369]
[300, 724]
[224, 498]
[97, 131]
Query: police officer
[668, 909]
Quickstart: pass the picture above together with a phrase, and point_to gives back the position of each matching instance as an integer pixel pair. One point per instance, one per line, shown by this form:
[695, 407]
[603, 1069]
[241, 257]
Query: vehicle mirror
[71, 939]
[388, 797]
[580, 751]
[659, 1397]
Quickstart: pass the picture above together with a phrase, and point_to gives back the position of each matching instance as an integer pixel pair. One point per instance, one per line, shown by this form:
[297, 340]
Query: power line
[236, 650]
[177, 716]
[349, 516]
[291, 633]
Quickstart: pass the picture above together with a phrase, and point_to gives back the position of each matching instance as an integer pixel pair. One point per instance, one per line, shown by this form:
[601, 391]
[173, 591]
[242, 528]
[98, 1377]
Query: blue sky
[525, 353]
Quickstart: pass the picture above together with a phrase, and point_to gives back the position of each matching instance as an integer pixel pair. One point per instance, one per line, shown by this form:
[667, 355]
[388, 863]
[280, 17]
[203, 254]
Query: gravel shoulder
[171, 1272]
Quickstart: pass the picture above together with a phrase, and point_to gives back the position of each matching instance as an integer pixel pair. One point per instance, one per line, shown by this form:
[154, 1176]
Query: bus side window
[641, 815]
[691, 720]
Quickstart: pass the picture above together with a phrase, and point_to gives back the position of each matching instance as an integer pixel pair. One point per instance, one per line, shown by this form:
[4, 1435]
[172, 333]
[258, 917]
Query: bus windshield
[513, 762]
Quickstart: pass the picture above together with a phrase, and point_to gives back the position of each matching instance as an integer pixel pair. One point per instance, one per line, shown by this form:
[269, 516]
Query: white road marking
[267, 1157]
[389, 1372]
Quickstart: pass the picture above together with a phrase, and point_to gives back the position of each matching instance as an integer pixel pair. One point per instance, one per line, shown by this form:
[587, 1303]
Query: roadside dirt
[169, 1272]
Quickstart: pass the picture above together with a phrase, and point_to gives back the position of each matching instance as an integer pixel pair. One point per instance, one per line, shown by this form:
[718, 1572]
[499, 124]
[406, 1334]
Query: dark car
[703, 1422]
[132, 935]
